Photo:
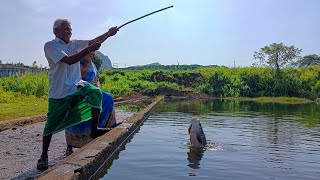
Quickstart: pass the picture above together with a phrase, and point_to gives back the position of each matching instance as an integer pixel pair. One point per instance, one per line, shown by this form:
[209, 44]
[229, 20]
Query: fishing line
[174, 48]
[130, 135]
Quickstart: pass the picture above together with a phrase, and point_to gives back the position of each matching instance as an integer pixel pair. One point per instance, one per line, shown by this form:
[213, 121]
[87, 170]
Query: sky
[205, 32]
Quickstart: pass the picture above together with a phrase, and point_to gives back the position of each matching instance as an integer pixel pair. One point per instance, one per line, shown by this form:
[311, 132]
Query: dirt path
[20, 149]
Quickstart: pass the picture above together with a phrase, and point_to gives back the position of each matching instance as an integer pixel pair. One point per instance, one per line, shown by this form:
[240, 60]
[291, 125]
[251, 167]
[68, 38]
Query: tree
[277, 56]
[20, 64]
[97, 61]
[309, 60]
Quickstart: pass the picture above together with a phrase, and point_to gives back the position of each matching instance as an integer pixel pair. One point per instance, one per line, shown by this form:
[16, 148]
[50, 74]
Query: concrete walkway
[20, 148]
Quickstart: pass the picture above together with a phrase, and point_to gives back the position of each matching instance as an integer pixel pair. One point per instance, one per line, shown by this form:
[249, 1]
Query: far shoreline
[280, 100]
[188, 96]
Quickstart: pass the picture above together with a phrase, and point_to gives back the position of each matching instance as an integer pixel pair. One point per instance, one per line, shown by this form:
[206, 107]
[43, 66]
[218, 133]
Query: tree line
[279, 55]
[278, 71]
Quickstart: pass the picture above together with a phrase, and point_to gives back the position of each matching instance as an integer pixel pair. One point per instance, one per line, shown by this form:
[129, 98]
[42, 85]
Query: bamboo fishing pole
[144, 16]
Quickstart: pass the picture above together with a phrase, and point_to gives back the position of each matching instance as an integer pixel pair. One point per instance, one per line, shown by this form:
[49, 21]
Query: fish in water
[197, 136]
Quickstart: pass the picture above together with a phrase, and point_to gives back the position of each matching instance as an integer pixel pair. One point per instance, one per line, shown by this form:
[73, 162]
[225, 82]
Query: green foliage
[20, 64]
[215, 81]
[316, 89]
[97, 61]
[309, 60]
[131, 107]
[15, 104]
[277, 56]
[157, 66]
[218, 81]
[28, 84]
[27, 95]
[120, 82]
[278, 100]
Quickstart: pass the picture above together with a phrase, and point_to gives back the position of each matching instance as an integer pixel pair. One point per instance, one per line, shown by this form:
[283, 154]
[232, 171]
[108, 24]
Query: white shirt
[63, 77]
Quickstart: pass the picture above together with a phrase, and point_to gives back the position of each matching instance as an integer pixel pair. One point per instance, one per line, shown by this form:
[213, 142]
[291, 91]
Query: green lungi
[72, 109]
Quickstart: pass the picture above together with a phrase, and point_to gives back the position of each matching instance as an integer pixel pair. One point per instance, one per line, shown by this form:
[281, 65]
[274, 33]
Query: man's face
[64, 32]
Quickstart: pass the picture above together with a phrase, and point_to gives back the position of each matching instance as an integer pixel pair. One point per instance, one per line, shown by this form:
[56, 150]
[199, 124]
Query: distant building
[14, 70]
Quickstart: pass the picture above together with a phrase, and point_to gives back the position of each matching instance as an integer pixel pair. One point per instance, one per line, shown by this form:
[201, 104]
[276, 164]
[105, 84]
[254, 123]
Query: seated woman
[79, 135]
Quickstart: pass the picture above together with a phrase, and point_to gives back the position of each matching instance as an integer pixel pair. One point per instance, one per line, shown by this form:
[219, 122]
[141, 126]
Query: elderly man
[71, 100]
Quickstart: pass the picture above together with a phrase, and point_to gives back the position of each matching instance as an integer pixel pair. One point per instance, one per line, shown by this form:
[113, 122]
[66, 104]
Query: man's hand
[113, 31]
[94, 46]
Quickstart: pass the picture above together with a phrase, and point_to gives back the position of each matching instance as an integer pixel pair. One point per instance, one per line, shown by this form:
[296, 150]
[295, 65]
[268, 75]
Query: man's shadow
[194, 157]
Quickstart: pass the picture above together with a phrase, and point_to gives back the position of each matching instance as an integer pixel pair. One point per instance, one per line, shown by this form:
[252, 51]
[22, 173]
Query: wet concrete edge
[87, 160]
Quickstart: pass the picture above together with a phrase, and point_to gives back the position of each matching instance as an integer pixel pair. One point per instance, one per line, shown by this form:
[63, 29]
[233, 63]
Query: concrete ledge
[83, 163]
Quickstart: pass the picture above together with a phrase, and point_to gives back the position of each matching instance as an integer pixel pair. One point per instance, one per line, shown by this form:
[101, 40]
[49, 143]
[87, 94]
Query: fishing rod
[144, 16]
[141, 18]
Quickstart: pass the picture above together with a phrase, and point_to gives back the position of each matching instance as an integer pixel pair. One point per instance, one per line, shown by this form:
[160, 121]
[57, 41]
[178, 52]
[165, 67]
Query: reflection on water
[309, 114]
[194, 157]
[108, 161]
[246, 140]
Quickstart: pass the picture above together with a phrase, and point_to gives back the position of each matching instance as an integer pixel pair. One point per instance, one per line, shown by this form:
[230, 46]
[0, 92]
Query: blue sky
[206, 32]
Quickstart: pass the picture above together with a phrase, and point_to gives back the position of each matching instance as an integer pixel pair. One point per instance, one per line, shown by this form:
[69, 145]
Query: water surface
[248, 140]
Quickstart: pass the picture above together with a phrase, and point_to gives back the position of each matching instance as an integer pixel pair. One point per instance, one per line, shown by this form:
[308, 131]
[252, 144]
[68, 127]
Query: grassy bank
[27, 95]
[223, 82]
[280, 100]
[14, 105]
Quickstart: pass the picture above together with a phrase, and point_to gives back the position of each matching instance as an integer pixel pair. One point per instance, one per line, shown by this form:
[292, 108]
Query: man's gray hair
[57, 23]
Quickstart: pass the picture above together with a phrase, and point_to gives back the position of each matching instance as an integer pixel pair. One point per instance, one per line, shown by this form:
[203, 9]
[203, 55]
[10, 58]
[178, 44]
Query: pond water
[246, 140]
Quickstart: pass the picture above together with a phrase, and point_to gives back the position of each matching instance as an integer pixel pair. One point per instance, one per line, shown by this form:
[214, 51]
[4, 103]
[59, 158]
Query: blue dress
[79, 135]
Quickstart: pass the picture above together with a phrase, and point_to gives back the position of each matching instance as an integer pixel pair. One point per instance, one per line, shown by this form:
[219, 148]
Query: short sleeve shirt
[63, 77]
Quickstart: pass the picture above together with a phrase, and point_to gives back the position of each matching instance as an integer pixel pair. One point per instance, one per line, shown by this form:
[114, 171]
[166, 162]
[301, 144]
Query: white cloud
[42, 6]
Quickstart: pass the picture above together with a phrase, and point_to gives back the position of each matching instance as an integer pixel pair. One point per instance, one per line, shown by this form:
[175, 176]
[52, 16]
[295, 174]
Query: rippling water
[247, 140]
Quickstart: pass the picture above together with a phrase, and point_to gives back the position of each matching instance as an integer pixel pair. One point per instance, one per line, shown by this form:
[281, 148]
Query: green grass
[27, 95]
[281, 100]
[130, 107]
[14, 105]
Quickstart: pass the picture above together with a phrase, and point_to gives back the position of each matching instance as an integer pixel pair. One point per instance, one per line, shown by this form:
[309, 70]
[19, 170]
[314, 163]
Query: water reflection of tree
[309, 114]
[194, 157]
[280, 139]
